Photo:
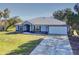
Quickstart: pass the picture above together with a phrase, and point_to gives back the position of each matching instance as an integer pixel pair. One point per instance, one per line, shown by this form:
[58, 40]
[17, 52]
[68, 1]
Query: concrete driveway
[53, 45]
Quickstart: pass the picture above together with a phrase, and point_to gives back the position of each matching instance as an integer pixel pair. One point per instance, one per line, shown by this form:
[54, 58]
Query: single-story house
[47, 25]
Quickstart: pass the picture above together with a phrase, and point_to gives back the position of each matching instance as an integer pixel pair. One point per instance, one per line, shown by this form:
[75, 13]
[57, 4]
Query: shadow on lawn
[26, 48]
[74, 41]
[28, 33]
[13, 33]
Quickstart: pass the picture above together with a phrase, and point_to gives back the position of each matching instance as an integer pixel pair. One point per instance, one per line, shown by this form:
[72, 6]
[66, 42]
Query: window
[37, 28]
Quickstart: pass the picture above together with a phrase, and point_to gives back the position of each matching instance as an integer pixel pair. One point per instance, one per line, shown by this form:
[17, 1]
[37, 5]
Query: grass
[17, 43]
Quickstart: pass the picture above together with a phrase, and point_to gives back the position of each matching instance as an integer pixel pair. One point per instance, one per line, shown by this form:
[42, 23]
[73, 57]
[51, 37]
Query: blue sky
[27, 11]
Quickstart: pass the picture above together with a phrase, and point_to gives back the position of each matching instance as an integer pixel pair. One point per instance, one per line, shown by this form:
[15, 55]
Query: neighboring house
[47, 25]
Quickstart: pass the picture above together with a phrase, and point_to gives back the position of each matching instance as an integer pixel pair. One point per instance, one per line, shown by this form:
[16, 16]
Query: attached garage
[57, 30]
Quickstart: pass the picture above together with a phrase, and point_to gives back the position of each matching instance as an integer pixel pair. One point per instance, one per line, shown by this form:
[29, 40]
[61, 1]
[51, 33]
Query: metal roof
[46, 21]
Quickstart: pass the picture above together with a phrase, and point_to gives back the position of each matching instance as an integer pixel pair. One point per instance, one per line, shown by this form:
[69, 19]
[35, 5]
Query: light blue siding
[43, 28]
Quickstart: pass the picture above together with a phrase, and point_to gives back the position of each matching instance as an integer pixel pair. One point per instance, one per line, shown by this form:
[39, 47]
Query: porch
[35, 28]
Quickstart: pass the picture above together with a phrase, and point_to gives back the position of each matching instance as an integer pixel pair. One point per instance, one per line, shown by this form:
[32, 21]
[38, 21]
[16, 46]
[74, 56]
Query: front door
[28, 28]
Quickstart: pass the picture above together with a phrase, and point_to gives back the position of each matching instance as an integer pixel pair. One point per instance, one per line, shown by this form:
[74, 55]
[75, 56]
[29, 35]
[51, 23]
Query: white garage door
[57, 30]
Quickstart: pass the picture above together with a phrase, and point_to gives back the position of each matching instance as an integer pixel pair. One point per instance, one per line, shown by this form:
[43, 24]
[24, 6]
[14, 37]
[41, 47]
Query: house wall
[44, 28]
[24, 28]
[57, 29]
[32, 28]
[17, 28]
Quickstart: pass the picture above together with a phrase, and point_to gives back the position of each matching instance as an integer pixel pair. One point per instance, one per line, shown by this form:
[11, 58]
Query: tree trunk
[8, 26]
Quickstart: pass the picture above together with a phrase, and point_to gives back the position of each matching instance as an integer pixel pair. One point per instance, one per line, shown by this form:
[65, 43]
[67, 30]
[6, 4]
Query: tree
[1, 14]
[63, 14]
[13, 21]
[76, 8]
[7, 22]
[76, 17]
[6, 13]
[58, 14]
[17, 19]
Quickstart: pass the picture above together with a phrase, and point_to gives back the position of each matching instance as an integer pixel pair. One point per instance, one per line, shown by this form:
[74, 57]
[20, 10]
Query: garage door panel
[57, 30]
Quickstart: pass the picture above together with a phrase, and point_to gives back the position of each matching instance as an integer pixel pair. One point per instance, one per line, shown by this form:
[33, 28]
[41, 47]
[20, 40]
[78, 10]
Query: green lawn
[17, 43]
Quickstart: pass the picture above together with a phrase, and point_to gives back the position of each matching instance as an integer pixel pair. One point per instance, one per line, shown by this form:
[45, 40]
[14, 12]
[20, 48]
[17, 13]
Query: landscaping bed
[74, 41]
